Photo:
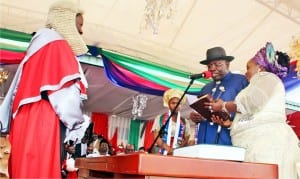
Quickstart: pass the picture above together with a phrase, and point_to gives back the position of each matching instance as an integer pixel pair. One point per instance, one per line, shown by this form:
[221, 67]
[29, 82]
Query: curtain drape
[134, 132]
[100, 121]
[293, 120]
[148, 139]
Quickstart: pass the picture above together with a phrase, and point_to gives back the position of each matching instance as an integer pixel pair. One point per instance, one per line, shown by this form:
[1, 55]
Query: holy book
[199, 106]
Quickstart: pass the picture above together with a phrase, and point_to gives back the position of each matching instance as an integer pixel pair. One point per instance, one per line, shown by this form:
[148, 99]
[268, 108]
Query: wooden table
[152, 166]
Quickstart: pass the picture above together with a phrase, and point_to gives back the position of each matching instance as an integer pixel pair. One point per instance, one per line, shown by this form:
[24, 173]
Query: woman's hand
[220, 121]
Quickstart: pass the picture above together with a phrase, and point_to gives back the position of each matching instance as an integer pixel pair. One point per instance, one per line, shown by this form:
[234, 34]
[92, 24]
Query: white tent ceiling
[240, 26]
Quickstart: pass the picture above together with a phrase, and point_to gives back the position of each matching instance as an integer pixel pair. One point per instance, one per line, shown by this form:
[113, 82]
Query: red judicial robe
[35, 132]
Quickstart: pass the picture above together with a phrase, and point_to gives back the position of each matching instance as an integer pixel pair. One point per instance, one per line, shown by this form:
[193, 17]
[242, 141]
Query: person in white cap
[46, 95]
[177, 131]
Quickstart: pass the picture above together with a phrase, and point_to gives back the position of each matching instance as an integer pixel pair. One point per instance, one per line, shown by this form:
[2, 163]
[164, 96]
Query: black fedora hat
[216, 53]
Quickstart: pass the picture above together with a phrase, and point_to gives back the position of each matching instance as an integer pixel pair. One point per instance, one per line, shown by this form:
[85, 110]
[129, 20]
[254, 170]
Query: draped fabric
[124, 130]
[144, 76]
[10, 57]
[114, 139]
[141, 140]
[293, 120]
[122, 125]
[100, 121]
[134, 132]
[148, 139]
[133, 73]
[125, 78]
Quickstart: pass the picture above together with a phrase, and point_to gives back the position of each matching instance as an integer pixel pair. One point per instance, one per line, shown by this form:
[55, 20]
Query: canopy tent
[107, 77]
[241, 27]
[117, 27]
[112, 72]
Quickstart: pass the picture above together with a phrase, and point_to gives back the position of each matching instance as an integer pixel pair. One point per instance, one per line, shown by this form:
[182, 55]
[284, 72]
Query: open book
[199, 106]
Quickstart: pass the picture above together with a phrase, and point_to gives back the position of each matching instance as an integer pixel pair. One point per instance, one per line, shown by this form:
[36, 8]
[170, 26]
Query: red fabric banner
[148, 135]
[293, 120]
[10, 57]
[114, 140]
[100, 121]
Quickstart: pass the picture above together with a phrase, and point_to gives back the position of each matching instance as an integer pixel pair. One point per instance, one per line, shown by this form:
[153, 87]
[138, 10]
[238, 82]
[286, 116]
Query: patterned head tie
[268, 58]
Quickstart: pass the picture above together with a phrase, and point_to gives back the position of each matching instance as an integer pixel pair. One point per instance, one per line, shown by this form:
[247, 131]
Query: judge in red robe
[47, 91]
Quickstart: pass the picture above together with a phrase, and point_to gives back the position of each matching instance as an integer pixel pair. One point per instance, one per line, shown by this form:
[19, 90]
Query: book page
[191, 98]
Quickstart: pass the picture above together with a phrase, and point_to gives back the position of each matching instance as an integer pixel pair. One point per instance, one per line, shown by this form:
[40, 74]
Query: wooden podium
[152, 166]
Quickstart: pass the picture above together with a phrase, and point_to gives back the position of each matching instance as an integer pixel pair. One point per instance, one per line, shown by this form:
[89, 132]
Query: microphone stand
[162, 129]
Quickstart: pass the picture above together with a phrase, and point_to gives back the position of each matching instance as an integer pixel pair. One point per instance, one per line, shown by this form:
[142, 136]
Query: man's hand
[196, 117]
[216, 105]
[170, 151]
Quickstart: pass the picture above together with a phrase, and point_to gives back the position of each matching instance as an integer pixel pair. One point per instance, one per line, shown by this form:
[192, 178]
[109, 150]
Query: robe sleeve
[257, 94]
[67, 104]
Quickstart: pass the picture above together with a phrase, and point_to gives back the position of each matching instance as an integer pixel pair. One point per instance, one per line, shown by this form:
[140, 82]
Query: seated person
[142, 149]
[104, 148]
[95, 144]
[129, 148]
[68, 167]
[120, 150]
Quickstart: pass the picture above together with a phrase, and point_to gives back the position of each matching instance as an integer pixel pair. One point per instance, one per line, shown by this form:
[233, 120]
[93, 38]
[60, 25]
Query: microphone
[206, 74]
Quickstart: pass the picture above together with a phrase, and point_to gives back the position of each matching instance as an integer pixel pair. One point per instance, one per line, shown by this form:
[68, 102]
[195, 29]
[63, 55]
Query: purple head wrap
[266, 57]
